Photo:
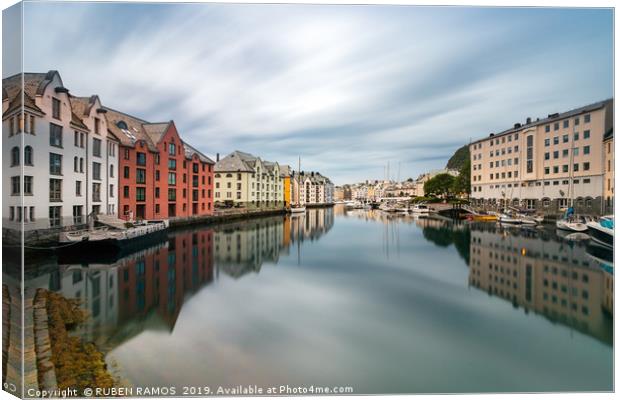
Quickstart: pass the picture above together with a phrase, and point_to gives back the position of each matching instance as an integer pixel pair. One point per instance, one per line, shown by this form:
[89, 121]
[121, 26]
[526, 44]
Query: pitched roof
[190, 151]
[156, 131]
[236, 161]
[12, 90]
[134, 132]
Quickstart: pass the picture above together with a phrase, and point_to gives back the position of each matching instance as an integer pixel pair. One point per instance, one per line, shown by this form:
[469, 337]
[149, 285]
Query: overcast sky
[348, 88]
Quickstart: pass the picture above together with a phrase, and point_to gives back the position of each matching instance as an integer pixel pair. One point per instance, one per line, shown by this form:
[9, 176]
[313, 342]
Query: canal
[380, 303]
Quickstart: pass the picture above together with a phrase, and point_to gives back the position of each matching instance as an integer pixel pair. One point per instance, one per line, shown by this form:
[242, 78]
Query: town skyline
[408, 90]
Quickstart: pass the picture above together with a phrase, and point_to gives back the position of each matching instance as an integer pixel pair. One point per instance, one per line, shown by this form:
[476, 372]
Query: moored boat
[421, 209]
[602, 231]
[114, 236]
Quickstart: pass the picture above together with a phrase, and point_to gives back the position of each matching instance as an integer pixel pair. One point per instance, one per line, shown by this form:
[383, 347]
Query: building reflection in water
[540, 272]
[145, 290]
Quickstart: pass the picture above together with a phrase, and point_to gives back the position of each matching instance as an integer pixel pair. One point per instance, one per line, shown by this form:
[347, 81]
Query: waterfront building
[244, 179]
[608, 145]
[160, 175]
[545, 164]
[68, 158]
[310, 188]
[338, 193]
[285, 174]
[543, 276]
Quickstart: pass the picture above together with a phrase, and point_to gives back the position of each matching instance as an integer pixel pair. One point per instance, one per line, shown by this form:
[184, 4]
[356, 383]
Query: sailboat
[570, 221]
[298, 208]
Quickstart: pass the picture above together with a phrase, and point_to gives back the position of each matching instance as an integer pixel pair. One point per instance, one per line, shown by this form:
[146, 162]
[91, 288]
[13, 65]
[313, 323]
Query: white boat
[514, 216]
[111, 236]
[420, 209]
[602, 231]
[573, 223]
[298, 209]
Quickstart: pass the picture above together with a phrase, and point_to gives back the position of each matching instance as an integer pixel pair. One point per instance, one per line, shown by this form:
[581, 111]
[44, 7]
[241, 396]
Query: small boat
[298, 209]
[519, 217]
[574, 224]
[420, 209]
[602, 231]
[113, 235]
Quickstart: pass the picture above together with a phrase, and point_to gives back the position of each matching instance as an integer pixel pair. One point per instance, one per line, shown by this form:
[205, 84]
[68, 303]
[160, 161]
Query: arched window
[121, 125]
[28, 155]
[14, 156]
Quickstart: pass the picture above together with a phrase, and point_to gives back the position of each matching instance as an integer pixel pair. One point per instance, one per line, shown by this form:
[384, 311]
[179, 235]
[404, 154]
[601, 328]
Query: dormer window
[122, 125]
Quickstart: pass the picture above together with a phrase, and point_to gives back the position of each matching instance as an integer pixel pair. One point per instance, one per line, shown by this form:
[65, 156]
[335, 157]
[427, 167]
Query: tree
[462, 183]
[458, 158]
[440, 185]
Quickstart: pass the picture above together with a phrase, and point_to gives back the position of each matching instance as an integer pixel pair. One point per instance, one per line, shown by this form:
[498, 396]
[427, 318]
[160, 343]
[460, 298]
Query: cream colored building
[310, 188]
[545, 163]
[242, 178]
[608, 144]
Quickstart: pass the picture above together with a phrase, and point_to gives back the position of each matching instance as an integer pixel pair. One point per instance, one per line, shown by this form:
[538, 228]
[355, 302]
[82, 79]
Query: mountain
[458, 158]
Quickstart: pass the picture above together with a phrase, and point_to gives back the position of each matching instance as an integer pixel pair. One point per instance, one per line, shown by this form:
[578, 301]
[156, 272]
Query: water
[382, 304]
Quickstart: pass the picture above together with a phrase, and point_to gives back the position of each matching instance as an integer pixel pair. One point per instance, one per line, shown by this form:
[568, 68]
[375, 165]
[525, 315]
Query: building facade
[245, 180]
[311, 188]
[160, 176]
[545, 164]
[608, 144]
[61, 163]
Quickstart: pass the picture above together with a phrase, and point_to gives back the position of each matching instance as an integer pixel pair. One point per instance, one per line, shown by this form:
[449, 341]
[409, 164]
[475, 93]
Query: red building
[160, 176]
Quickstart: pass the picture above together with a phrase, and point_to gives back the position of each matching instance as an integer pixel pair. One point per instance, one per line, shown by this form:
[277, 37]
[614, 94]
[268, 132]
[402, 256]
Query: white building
[64, 163]
[311, 188]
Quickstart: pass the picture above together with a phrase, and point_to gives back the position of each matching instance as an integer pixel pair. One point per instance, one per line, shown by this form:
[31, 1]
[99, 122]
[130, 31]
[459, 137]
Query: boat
[421, 209]
[298, 209]
[515, 216]
[572, 222]
[602, 231]
[113, 235]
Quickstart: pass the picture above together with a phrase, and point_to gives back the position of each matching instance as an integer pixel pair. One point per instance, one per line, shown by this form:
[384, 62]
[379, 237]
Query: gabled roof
[236, 161]
[190, 151]
[156, 131]
[135, 128]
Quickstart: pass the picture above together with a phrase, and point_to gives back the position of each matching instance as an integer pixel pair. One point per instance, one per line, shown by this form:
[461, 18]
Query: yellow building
[285, 171]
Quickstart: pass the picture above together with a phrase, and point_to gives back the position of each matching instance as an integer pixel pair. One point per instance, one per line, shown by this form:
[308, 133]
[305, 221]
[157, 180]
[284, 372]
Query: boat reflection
[541, 273]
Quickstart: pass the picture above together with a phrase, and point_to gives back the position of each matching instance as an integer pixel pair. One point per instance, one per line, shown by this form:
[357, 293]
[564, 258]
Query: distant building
[608, 144]
[311, 188]
[423, 178]
[285, 174]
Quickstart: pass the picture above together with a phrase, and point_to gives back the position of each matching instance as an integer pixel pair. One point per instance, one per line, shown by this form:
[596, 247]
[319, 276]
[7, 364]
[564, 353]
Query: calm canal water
[380, 303]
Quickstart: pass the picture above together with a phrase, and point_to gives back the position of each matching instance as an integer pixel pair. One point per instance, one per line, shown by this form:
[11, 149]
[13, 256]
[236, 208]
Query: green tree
[440, 185]
[462, 183]
[458, 158]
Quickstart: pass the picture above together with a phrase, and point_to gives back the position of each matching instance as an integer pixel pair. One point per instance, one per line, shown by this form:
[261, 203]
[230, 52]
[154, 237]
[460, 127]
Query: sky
[347, 88]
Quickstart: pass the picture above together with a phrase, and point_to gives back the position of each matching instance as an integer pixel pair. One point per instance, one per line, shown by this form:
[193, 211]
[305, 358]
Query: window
[565, 168]
[27, 185]
[97, 147]
[55, 164]
[96, 192]
[76, 138]
[556, 140]
[82, 137]
[172, 178]
[565, 123]
[546, 170]
[14, 156]
[556, 154]
[55, 108]
[565, 153]
[96, 171]
[172, 194]
[81, 164]
[586, 118]
[586, 150]
[576, 151]
[586, 134]
[97, 125]
[140, 194]
[157, 193]
[575, 167]
[77, 215]
[15, 186]
[28, 155]
[55, 135]
[556, 169]
[76, 164]
[172, 163]
[546, 156]
[126, 191]
[172, 149]
[586, 166]
[141, 158]
[586, 180]
[157, 175]
[195, 168]
[78, 188]
[156, 208]
[111, 190]
[54, 214]
[125, 172]
[111, 170]
[126, 154]
[548, 128]
[55, 189]
[565, 139]
[556, 126]
[547, 142]
[140, 175]
[577, 121]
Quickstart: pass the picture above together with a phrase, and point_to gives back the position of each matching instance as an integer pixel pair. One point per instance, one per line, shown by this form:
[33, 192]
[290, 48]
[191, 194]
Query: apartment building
[545, 164]
[311, 188]
[160, 175]
[608, 144]
[61, 162]
[560, 282]
[244, 179]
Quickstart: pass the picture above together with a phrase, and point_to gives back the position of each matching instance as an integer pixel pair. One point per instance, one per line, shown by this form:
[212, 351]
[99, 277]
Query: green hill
[458, 158]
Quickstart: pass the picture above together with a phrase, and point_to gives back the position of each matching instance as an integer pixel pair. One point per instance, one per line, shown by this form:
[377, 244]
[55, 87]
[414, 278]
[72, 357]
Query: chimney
[528, 120]
[217, 157]
[517, 125]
